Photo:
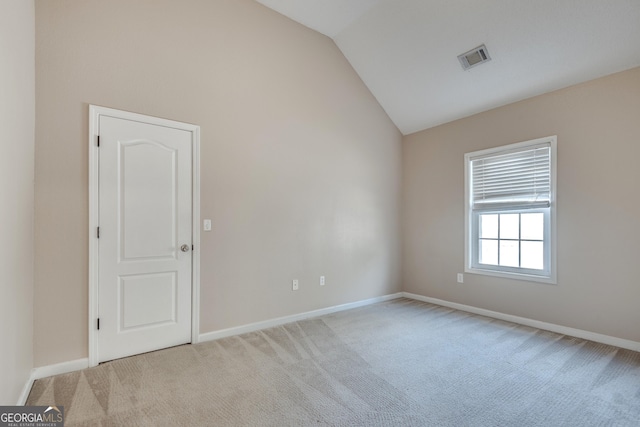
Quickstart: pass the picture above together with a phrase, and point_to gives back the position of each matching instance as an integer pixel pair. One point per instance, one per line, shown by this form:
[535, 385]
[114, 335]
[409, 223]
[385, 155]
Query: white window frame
[548, 274]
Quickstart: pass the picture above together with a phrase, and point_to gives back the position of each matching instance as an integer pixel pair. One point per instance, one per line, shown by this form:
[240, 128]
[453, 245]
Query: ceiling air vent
[474, 57]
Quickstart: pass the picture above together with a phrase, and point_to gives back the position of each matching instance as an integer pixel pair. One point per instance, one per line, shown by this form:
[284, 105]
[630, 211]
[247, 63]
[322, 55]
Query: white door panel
[145, 215]
[135, 312]
[149, 204]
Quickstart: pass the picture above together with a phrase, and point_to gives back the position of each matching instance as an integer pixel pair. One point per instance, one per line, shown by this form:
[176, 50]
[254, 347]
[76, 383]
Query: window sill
[514, 276]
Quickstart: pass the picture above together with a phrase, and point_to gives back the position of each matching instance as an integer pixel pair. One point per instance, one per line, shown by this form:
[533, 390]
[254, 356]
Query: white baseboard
[59, 368]
[48, 371]
[252, 327]
[79, 364]
[564, 330]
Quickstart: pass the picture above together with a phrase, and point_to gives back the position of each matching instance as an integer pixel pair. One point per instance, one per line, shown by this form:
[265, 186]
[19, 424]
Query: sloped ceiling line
[406, 50]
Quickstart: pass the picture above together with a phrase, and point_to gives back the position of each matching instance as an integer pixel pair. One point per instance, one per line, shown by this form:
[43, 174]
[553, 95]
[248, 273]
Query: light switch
[207, 225]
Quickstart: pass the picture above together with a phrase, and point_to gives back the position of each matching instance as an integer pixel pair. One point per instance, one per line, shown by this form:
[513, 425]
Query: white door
[145, 237]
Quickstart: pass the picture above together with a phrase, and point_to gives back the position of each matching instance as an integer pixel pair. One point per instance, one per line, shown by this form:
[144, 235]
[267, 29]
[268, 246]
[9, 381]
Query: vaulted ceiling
[406, 51]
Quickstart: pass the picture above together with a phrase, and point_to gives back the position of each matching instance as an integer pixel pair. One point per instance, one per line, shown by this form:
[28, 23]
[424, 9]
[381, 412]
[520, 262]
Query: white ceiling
[406, 51]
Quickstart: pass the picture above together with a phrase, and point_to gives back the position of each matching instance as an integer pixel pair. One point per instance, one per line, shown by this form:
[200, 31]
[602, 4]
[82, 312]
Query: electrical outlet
[321, 280]
[460, 278]
[295, 286]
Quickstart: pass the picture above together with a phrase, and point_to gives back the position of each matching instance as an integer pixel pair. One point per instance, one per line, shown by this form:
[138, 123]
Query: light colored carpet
[398, 363]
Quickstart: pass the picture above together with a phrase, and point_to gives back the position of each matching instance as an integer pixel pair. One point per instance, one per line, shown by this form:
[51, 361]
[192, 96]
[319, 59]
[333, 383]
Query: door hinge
[98, 141]
[98, 323]
[192, 248]
[98, 233]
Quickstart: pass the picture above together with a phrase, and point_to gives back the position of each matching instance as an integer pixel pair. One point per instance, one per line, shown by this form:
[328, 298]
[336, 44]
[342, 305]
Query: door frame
[95, 112]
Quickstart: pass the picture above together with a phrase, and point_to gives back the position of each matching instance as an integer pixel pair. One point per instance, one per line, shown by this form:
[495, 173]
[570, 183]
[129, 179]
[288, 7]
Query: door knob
[184, 248]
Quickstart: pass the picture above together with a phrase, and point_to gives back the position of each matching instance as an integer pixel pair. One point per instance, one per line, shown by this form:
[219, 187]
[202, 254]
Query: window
[510, 211]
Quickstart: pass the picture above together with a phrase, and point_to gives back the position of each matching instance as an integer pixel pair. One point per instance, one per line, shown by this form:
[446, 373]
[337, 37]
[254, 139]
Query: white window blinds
[513, 179]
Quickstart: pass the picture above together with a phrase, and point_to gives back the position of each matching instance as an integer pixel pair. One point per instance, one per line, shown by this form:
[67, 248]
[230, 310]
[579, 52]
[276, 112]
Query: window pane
[489, 227]
[509, 226]
[488, 252]
[533, 255]
[532, 226]
[509, 253]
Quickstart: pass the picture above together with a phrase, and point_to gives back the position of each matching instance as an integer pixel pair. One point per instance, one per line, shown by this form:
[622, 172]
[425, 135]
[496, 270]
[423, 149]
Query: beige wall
[597, 124]
[17, 116]
[300, 165]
